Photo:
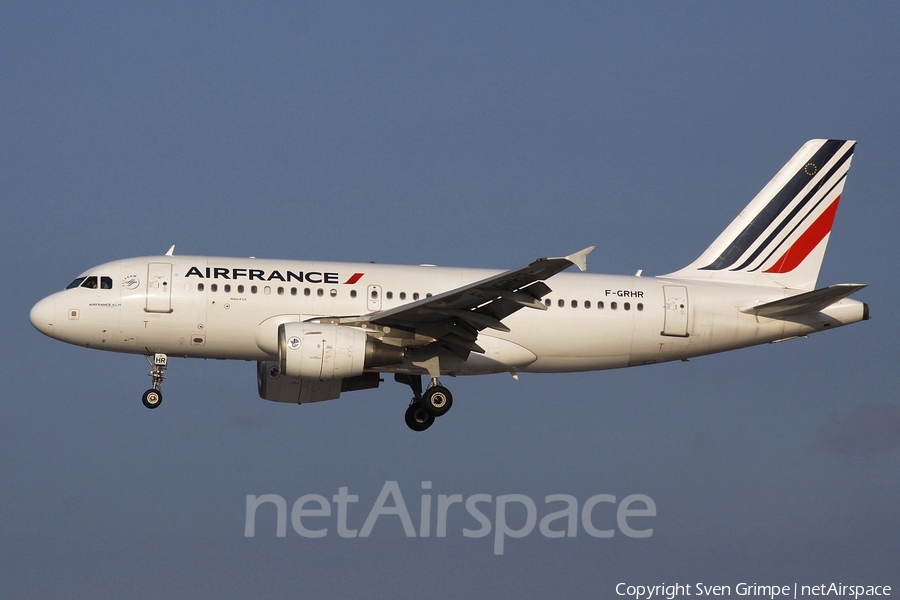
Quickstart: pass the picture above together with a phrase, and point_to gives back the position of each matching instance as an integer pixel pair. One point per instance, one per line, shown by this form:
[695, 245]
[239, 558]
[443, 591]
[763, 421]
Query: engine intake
[324, 352]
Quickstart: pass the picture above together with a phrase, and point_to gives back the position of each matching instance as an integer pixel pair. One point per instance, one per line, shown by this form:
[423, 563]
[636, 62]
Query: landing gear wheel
[417, 418]
[437, 400]
[152, 398]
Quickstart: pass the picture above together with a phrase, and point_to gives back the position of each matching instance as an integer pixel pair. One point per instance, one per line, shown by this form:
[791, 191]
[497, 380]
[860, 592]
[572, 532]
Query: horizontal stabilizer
[805, 303]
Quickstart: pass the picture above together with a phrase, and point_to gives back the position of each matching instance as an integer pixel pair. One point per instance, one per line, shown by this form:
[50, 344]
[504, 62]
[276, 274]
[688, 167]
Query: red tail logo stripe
[805, 244]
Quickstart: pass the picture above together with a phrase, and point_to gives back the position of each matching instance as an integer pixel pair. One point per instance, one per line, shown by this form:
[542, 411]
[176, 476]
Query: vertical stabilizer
[779, 239]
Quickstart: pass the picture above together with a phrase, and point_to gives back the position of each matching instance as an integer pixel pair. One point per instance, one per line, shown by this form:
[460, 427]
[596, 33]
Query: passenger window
[600, 304]
[333, 293]
[293, 291]
[415, 295]
[548, 302]
[613, 305]
[320, 292]
[214, 287]
[253, 289]
[403, 295]
[281, 291]
[353, 293]
[306, 291]
[390, 295]
[561, 302]
[627, 305]
[640, 306]
[199, 287]
[106, 283]
[240, 289]
[574, 303]
[587, 303]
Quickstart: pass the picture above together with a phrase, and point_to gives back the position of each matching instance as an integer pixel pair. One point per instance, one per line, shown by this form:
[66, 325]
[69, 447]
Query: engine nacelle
[325, 352]
[276, 387]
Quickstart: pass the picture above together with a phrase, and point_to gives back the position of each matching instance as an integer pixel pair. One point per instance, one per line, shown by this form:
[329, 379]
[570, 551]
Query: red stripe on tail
[805, 244]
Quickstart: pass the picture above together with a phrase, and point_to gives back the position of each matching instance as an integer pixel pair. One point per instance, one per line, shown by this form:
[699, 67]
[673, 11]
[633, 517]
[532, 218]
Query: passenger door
[159, 288]
[676, 315]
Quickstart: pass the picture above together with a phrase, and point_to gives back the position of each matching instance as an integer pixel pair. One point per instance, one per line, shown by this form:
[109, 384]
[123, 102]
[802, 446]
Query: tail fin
[779, 239]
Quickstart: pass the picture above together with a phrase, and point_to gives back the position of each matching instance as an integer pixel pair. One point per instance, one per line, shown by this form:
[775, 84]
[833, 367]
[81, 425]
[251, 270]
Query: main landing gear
[425, 408]
[153, 397]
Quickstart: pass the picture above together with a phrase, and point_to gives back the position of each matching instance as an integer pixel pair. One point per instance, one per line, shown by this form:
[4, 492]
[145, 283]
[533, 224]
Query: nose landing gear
[153, 397]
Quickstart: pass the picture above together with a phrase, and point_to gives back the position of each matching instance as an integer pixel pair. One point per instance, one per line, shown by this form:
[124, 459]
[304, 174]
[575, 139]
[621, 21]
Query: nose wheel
[153, 397]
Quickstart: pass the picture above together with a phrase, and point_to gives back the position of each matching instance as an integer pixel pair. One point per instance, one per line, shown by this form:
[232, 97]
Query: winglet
[171, 251]
[579, 259]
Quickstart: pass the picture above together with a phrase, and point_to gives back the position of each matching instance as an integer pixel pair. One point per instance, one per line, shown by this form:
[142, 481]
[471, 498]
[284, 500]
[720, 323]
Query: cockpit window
[93, 282]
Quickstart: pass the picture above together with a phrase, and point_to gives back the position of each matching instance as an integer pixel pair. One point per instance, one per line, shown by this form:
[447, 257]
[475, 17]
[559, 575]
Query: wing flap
[477, 319]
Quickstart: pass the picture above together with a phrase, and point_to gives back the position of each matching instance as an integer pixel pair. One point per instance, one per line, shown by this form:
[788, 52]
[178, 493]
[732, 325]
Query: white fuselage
[227, 308]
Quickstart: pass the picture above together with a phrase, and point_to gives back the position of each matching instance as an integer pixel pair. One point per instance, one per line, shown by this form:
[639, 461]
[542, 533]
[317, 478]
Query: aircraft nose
[42, 316]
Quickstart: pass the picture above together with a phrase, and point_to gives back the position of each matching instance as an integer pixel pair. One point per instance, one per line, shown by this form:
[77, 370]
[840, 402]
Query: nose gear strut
[153, 397]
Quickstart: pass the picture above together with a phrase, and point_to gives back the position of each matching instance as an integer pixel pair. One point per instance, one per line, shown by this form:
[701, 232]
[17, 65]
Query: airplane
[318, 329]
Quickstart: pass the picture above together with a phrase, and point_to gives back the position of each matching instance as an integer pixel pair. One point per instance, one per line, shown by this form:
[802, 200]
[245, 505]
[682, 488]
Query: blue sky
[465, 135]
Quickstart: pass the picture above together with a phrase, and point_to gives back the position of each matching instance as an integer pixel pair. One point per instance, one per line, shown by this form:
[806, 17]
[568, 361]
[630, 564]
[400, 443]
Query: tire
[437, 400]
[152, 398]
[417, 418]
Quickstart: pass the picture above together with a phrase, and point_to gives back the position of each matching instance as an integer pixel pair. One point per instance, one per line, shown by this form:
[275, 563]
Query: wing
[455, 317]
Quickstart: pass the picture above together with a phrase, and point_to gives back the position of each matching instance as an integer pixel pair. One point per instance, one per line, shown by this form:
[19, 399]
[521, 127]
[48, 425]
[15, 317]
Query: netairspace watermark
[794, 590]
[313, 515]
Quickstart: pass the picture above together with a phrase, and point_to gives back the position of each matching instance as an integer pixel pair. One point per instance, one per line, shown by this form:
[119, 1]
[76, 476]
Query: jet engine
[325, 352]
[295, 390]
